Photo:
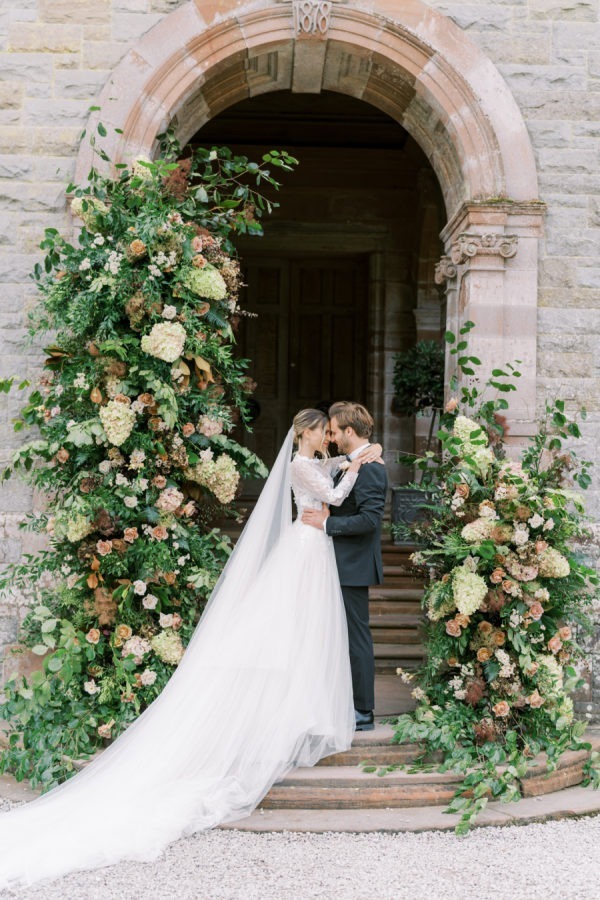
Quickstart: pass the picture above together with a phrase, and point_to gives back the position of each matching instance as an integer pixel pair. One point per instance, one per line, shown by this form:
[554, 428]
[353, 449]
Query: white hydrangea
[117, 420]
[165, 341]
[553, 564]
[469, 590]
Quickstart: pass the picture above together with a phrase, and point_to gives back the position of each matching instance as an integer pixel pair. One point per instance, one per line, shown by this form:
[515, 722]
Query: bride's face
[312, 439]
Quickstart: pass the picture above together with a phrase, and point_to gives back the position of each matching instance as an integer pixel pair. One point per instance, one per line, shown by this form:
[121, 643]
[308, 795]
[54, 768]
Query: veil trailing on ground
[264, 686]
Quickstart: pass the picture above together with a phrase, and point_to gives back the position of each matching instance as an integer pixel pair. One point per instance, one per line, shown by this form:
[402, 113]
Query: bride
[264, 686]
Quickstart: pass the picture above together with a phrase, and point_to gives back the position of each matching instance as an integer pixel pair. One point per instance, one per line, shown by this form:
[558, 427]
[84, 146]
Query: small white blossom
[130, 502]
[90, 687]
[105, 466]
[85, 264]
[139, 587]
[535, 521]
[169, 312]
[121, 479]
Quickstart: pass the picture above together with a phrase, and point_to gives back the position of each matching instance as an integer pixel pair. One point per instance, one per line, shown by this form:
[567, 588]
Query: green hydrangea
[207, 282]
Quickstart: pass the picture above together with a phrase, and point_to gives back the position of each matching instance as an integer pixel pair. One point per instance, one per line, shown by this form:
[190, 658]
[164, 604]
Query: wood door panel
[309, 340]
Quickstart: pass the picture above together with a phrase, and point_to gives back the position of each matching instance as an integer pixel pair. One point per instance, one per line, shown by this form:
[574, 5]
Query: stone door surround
[409, 61]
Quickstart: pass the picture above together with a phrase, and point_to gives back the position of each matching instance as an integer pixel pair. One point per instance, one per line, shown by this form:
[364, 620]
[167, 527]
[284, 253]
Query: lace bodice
[312, 482]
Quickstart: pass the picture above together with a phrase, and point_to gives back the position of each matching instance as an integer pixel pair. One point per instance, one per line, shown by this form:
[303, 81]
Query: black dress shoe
[365, 721]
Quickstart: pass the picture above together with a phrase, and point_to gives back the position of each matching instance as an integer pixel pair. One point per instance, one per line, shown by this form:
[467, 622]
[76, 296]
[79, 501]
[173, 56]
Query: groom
[355, 529]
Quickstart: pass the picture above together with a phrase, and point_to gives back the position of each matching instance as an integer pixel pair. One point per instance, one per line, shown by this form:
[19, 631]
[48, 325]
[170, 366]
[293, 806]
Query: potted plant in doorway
[418, 390]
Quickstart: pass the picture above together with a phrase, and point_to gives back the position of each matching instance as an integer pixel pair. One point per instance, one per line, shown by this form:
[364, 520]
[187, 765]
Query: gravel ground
[552, 860]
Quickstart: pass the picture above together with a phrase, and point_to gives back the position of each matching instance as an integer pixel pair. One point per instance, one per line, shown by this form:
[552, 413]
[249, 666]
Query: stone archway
[412, 63]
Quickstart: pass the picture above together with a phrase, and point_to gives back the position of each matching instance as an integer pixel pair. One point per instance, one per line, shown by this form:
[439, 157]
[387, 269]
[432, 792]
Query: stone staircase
[395, 613]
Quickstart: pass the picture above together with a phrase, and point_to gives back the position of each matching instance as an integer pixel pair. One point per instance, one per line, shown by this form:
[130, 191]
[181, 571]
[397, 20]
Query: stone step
[385, 607]
[394, 651]
[333, 786]
[347, 787]
[373, 747]
[382, 592]
[563, 804]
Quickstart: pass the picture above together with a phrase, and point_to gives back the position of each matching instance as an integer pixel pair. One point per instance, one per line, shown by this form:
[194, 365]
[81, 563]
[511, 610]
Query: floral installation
[506, 594]
[136, 415]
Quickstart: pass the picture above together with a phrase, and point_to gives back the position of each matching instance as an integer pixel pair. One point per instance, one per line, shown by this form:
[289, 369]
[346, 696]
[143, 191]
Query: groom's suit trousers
[356, 602]
[355, 529]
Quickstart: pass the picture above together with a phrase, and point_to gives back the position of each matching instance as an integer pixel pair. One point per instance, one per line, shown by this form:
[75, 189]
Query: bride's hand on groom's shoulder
[372, 454]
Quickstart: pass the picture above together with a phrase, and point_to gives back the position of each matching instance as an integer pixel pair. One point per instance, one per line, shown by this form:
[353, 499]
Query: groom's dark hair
[353, 415]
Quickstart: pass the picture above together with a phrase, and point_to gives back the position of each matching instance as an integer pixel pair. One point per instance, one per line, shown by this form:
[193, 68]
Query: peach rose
[536, 611]
[462, 490]
[62, 455]
[119, 545]
[485, 627]
[483, 654]
[123, 632]
[176, 621]
[189, 509]
[499, 638]
[137, 248]
[532, 669]
[170, 577]
[199, 261]
[501, 709]
[130, 535]
[146, 399]
[159, 481]
[462, 620]
[104, 547]
[540, 546]
[160, 533]
[535, 700]
[497, 576]
[564, 633]
[452, 661]
[555, 644]
[188, 429]
[453, 628]
[451, 405]
[93, 636]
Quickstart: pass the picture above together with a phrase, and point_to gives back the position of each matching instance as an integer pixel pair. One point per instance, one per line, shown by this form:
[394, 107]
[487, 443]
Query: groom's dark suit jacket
[355, 527]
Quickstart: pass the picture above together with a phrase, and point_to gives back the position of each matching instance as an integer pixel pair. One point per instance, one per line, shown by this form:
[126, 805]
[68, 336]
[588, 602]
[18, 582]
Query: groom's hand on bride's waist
[316, 517]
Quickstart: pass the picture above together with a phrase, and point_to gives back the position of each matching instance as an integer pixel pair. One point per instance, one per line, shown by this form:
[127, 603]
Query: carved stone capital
[311, 16]
[444, 270]
[469, 245]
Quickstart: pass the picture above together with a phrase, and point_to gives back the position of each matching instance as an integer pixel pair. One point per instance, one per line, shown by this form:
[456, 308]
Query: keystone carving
[469, 245]
[311, 16]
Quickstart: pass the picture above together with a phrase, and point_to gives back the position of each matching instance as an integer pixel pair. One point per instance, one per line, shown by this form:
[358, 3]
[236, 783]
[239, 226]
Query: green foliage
[137, 418]
[508, 593]
[419, 378]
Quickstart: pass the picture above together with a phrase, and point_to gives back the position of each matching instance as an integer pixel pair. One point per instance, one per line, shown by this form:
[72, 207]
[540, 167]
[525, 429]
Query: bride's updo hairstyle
[307, 419]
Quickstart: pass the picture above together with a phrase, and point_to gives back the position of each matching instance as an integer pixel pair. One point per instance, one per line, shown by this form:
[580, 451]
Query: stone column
[491, 271]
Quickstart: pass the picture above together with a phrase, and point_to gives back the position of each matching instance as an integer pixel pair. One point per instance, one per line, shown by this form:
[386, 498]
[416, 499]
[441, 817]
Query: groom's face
[339, 436]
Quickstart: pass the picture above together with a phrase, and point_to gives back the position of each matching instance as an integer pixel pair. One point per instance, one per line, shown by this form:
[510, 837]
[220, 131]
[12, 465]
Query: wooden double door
[308, 340]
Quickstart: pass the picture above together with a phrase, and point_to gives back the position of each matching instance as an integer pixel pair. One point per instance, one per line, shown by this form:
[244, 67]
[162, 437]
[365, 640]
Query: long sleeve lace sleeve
[309, 479]
[331, 464]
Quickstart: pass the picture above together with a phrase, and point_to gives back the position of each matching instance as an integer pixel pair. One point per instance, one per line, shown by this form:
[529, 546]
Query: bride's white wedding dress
[264, 686]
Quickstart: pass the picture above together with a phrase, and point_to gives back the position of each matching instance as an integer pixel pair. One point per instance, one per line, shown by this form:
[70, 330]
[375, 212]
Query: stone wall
[56, 55]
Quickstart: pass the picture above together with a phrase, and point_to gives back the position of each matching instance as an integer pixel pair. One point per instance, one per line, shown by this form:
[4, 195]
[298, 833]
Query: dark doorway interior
[344, 276]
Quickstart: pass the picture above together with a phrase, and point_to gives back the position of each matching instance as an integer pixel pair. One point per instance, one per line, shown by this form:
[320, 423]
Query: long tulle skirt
[264, 686]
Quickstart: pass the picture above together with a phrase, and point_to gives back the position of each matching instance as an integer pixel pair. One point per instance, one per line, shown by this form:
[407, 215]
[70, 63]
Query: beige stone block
[97, 31]
[77, 84]
[559, 10]
[81, 11]
[37, 37]
[26, 67]
[14, 139]
[131, 26]
[105, 54]
[56, 141]
[11, 95]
